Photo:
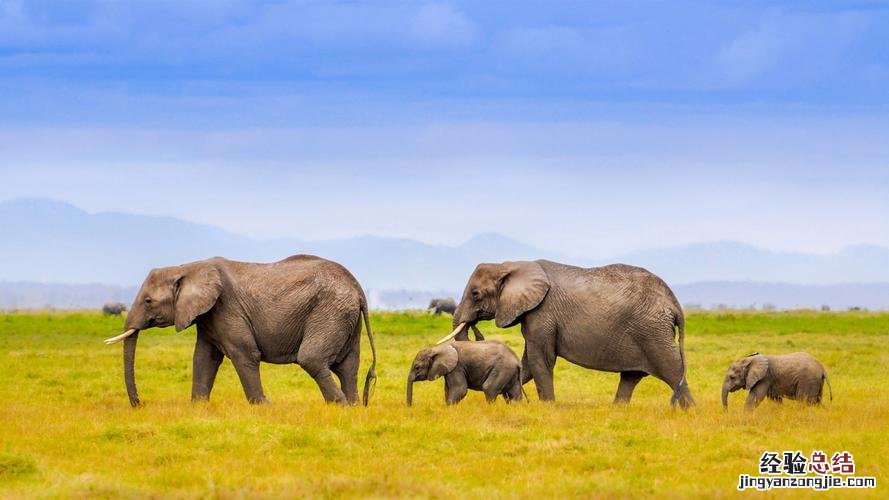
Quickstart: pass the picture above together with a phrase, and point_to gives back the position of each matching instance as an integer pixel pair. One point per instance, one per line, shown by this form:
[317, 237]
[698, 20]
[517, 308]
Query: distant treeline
[703, 295]
[27, 295]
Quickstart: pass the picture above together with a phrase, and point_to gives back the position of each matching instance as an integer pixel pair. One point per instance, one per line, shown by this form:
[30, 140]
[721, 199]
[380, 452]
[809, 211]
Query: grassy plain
[66, 428]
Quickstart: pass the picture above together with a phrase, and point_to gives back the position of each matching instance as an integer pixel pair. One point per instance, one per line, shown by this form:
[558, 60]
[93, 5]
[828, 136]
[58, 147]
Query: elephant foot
[685, 402]
[333, 394]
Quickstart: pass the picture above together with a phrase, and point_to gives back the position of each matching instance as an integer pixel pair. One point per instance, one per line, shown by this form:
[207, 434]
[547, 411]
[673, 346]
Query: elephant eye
[475, 294]
[148, 300]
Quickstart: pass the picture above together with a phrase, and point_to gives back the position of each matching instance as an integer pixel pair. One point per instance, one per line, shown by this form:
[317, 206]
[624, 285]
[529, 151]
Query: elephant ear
[197, 290]
[522, 288]
[444, 361]
[756, 370]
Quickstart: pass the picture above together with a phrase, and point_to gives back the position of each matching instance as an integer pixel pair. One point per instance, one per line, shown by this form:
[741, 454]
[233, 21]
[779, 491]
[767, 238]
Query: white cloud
[793, 45]
[443, 25]
[564, 49]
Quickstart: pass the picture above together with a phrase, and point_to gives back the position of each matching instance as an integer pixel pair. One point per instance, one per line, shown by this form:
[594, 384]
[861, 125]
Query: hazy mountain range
[47, 243]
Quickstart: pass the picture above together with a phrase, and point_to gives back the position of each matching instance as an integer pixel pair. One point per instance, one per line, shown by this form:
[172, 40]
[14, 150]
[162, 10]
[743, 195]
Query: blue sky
[592, 128]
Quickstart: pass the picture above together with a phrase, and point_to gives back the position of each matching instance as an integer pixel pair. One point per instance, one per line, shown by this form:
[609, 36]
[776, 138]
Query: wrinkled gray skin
[487, 366]
[114, 308]
[615, 318]
[797, 376]
[442, 305]
[303, 309]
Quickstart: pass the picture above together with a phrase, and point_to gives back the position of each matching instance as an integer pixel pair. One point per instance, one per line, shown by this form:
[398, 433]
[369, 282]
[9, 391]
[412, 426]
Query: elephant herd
[310, 311]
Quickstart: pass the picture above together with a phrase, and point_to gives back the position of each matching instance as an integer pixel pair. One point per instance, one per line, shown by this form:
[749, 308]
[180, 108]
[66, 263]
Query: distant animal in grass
[449, 306]
[488, 366]
[114, 308]
[798, 376]
[439, 306]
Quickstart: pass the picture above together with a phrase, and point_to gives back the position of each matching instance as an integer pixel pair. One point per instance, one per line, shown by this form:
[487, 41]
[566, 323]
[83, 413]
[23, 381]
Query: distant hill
[50, 241]
[45, 241]
[25, 295]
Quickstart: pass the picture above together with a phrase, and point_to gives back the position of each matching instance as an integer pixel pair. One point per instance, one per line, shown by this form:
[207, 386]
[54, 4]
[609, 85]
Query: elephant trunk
[410, 389]
[725, 391]
[478, 334]
[129, 359]
[462, 317]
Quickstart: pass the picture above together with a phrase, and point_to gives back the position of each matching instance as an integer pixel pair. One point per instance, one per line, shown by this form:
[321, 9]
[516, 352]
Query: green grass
[66, 428]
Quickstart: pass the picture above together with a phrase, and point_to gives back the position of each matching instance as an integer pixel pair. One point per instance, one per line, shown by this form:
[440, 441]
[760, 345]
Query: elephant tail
[372, 371]
[679, 325]
[829, 388]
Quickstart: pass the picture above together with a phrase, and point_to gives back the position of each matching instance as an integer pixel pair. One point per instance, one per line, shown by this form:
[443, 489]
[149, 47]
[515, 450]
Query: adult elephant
[615, 318]
[303, 309]
[114, 308]
[442, 305]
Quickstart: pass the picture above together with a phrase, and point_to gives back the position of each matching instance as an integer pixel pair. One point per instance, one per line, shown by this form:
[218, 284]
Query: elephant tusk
[114, 340]
[452, 334]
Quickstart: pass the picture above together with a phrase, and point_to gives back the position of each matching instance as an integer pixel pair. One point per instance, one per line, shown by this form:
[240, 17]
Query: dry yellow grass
[67, 429]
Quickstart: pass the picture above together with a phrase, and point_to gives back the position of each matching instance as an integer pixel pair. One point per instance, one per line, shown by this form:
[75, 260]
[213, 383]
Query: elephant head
[168, 296]
[502, 292]
[429, 364]
[744, 374]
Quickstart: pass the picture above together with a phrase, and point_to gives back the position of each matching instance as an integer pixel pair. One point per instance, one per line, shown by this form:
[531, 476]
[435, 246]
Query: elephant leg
[240, 346]
[755, 396]
[247, 366]
[491, 396]
[496, 383]
[455, 388]
[667, 366]
[316, 364]
[513, 392]
[206, 361]
[347, 373]
[541, 362]
[324, 337]
[628, 381]
[526, 369]
[809, 393]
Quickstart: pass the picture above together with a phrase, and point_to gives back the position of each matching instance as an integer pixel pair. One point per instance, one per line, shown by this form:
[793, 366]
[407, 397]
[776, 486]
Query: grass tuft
[14, 466]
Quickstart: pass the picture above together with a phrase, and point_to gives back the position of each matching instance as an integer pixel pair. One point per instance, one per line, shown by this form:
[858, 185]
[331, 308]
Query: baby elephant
[487, 366]
[797, 376]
